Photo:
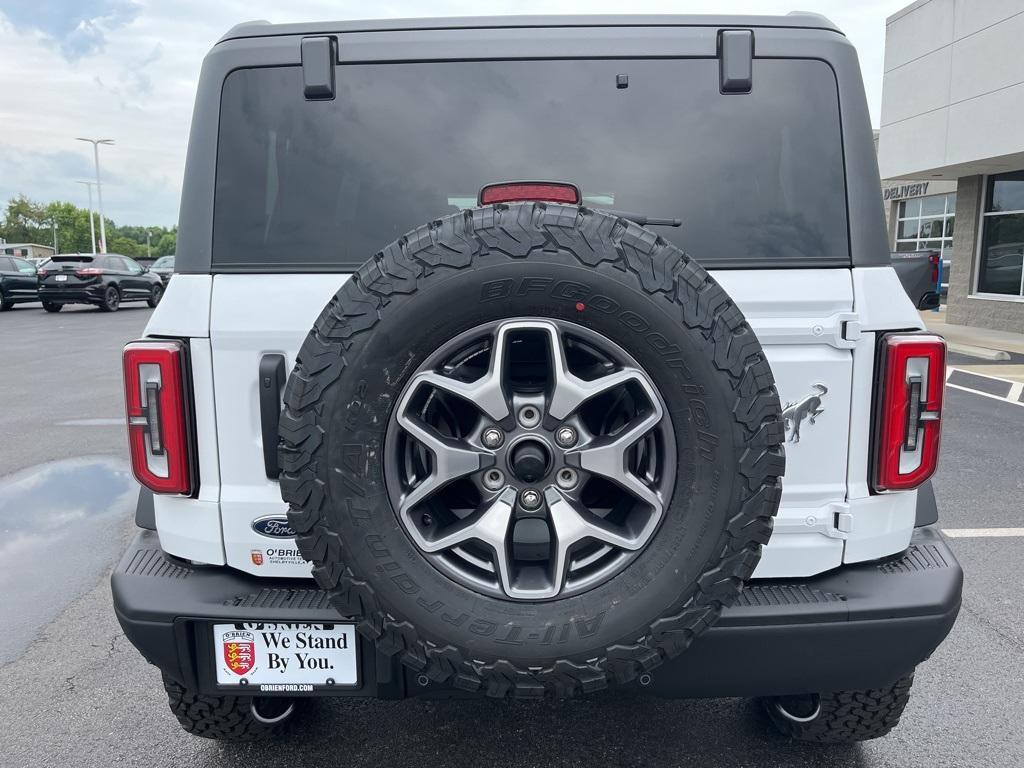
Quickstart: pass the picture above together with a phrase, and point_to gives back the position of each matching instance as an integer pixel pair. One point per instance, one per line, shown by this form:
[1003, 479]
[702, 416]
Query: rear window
[73, 258]
[757, 179]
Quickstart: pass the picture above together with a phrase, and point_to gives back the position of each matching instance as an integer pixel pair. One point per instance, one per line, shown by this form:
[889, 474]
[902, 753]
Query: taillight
[41, 273]
[934, 259]
[513, 191]
[909, 410]
[88, 271]
[157, 411]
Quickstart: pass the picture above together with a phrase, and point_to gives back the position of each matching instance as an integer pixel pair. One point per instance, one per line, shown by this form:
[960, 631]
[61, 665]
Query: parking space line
[1013, 388]
[981, 533]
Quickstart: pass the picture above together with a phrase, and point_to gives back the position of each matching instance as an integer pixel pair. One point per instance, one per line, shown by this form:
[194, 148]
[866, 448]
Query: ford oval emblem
[274, 526]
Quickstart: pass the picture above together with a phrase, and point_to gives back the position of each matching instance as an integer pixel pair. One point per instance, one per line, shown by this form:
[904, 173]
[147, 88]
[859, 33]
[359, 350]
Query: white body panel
[254, 315]
[815, 325]
[184, 311]
[798, 317]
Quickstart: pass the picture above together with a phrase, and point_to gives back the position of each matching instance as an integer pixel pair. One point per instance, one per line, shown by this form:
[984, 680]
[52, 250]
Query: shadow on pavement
[602, 730]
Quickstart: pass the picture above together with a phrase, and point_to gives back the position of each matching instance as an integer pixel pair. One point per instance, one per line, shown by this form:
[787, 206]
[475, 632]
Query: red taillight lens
[513, 191]
[910, 407]
[88, 271]
[41, 273]
[934, 259]
[156, 407]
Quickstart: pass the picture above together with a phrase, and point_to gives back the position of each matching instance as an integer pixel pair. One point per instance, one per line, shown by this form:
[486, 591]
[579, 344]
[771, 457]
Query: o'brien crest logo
[239, 649]
[257, 556]
[274, 526]
[809, 408]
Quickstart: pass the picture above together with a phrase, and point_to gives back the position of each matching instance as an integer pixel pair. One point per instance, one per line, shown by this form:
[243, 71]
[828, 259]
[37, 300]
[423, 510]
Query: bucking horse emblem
[809, 408]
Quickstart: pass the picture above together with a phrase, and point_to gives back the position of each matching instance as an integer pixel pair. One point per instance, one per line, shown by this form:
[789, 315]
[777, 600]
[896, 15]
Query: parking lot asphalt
[74, 692]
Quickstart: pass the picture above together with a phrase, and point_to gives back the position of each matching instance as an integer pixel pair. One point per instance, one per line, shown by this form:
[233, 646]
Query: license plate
[62, 278]
[285, 657]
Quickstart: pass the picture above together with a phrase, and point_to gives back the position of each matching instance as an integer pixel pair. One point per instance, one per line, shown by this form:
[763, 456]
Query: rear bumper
[858, 626]
[74, 295]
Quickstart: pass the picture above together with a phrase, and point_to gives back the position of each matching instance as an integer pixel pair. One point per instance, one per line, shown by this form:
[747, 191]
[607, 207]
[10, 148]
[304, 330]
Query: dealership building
[25, 250]
[951, 149]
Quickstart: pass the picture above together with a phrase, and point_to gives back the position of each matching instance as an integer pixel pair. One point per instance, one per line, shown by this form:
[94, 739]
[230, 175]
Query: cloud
[140, 197]
[24, 171]
[80, 27]
[137, 64]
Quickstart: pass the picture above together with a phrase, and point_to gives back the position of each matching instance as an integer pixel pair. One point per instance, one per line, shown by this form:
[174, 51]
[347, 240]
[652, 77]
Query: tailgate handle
[272, 378]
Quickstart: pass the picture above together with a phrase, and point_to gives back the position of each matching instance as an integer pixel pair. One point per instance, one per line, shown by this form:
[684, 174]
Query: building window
[926, 224]
[1002, 239]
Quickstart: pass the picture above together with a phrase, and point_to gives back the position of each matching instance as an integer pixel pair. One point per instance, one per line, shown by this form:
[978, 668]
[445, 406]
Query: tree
[72, 227]
[125, 246]
[24, 221]
[166, 245]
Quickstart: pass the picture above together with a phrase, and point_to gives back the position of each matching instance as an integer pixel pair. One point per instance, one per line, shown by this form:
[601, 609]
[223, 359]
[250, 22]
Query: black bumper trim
[858, 626]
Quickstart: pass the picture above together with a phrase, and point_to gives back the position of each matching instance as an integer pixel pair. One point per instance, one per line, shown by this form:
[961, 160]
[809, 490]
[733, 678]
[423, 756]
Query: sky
[127, 70]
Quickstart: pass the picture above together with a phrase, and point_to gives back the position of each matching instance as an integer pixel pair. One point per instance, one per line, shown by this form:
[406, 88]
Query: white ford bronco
[530, 357]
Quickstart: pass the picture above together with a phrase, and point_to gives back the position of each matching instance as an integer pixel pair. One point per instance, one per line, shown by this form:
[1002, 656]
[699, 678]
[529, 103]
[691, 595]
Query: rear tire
[49, 307]
[229, 718]
[111, 300]
[155, 296]
[842, 717]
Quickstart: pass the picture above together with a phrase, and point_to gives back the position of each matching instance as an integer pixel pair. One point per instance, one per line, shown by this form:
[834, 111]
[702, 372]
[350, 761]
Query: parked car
[918, 272]
[18, 282]
[533, 447]
[104, 280]
[164, 267]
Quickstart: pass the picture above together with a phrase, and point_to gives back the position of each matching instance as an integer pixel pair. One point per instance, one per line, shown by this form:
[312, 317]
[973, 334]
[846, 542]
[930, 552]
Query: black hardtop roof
[793, 20]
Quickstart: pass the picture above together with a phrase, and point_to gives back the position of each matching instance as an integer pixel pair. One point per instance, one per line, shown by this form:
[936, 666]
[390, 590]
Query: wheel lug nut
[566, 437]
[492, 437]
[494, 479]
[530, 499]
[567, 478]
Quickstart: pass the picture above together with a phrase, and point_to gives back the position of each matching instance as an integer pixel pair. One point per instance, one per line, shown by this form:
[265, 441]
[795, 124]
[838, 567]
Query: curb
[980, 352]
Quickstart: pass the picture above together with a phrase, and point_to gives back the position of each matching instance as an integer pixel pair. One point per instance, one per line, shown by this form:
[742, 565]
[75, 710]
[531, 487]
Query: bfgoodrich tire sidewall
[604, 299]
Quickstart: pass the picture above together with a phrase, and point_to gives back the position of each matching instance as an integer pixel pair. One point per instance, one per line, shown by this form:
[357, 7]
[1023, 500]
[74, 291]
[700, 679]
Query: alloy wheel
[530, 459]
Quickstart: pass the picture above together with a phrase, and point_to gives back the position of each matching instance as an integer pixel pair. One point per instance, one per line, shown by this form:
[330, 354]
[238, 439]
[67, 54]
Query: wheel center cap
[530, 460]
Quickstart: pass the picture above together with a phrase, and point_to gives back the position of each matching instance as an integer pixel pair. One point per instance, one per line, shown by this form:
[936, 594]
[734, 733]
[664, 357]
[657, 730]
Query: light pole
[53, 223]
[99, 187]
[92, 227]
[149, 254]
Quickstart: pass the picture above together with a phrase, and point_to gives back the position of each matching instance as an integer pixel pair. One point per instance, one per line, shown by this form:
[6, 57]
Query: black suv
[105, 280]
[18, 282]
[164, 268]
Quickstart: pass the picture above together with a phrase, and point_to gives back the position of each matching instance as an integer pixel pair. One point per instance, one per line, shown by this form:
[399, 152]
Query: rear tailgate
[799, 316]
[63, 276]
[306, 190]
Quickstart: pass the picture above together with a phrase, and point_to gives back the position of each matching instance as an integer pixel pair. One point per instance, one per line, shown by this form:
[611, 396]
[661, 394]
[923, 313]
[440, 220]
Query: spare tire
[532, 449]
